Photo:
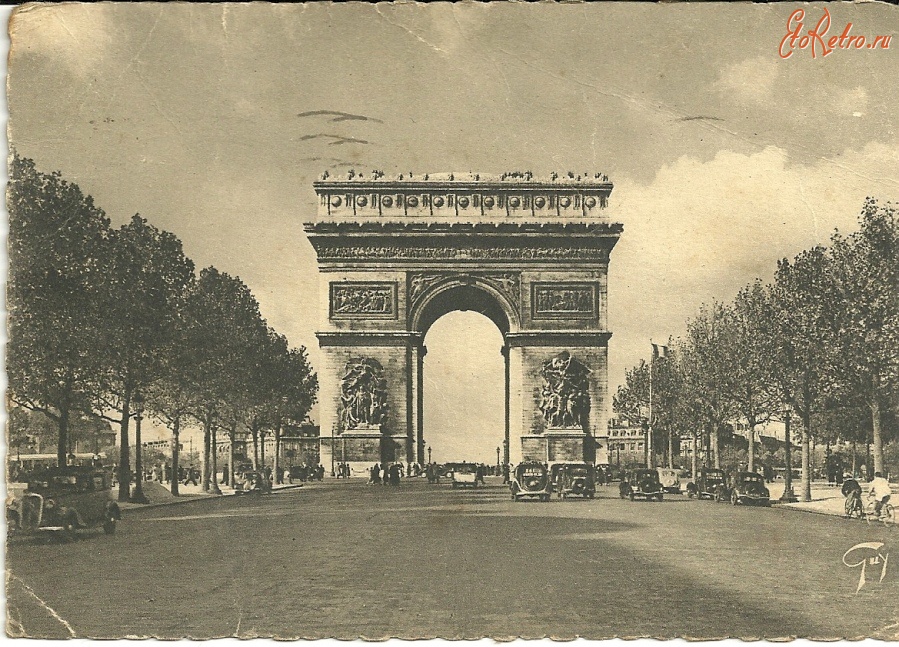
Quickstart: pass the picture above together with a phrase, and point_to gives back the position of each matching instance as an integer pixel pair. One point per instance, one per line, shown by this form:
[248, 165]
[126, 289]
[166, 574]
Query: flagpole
[649, 448]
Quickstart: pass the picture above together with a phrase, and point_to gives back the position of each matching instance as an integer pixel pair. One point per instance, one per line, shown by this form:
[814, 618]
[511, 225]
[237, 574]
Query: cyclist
[879, 491]
[853, 493]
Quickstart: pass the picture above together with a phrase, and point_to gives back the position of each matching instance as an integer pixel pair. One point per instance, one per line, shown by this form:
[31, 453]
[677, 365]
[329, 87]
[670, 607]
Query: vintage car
[530, 479]
[670, 480]
[465, 475]
[251, 481]
[643, 483]
[60, 500]
[573, 479]
[710, 484]
[748, 487]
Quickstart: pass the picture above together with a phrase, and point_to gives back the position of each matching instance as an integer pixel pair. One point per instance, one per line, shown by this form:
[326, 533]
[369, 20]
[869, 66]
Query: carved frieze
[363, 394]
[453, 253]
[565, 401]
[564, 300]
[351, 300]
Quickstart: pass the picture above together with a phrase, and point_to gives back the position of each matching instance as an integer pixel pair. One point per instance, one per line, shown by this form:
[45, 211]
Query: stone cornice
[518, 229]
[369, 338]
[560, 338]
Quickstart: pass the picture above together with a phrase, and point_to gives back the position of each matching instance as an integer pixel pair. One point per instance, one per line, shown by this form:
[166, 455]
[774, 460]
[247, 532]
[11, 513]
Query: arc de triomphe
[394, 255]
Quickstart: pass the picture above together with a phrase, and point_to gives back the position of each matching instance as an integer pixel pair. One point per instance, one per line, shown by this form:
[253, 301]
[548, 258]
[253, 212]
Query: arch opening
[465, 296]
[464, 387]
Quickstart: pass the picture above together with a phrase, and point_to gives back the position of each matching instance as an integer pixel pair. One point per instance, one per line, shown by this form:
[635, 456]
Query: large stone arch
[394, 256]
[451, 292]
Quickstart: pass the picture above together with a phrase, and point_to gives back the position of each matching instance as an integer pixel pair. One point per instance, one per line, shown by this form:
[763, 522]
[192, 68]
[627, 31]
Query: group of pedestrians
[388, 474]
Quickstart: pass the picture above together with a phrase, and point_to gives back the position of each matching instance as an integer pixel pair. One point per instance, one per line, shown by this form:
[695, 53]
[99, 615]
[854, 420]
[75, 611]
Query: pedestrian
[192, 474]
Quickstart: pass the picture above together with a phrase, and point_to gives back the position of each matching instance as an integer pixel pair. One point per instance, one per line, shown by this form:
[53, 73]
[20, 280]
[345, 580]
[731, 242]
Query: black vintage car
[60, 500]
[748, 487]
[642, 483]
[530, 479]
[711, 484]
[573, 479]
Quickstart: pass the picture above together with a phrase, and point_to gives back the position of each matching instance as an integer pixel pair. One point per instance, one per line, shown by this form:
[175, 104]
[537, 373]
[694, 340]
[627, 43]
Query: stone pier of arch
[396, 255]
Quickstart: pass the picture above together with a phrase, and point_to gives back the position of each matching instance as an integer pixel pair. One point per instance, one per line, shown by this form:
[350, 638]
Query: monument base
[555, 445]
[362, 447]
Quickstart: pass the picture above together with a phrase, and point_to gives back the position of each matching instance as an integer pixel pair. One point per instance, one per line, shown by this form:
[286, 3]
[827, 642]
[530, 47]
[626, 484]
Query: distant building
[626, 443]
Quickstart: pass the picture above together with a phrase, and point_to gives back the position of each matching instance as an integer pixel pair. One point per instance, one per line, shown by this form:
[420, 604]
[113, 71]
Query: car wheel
[633, 498]
[734, 499]
[661, 497]
[109, 525]
[68, 529]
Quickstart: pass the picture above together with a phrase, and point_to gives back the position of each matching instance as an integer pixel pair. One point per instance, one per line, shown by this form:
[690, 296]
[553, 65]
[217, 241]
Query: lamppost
[137, 496]
[497, 456]
[429, 454]
[788, 495]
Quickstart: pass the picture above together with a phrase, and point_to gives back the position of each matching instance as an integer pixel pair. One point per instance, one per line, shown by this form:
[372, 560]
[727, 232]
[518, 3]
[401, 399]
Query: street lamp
[788, 496]
[138, 495]
[429, 454]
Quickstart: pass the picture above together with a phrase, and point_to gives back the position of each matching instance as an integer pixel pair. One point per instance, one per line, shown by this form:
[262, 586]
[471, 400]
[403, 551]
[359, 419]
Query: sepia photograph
[496, 320]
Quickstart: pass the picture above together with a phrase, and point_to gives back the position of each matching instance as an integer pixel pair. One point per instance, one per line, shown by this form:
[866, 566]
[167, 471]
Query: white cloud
[750, 81]
[701, 230]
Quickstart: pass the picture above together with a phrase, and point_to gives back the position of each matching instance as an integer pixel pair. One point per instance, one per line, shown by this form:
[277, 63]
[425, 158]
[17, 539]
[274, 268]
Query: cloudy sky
[725, 157]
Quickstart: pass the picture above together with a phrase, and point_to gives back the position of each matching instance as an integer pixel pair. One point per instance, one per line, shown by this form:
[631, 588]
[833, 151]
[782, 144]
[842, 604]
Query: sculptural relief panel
[369, 300]
[564, 300]
[565, 402]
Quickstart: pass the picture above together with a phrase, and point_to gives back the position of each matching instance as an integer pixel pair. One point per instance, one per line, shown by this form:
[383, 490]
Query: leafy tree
[865, 314]
[705, 363]
[144, 293]
[57, 256]
[227, 336]
[747, 381]
[796, 320]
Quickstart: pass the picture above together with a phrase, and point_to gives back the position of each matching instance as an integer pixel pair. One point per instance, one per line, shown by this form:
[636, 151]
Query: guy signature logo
[814, 39]
[867, 554]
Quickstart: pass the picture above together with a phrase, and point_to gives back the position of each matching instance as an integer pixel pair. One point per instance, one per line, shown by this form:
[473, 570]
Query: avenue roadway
[348, 560]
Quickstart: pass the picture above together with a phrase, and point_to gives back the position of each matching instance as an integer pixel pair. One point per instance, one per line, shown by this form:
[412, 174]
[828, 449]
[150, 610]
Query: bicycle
[853, 506]
[887, 512]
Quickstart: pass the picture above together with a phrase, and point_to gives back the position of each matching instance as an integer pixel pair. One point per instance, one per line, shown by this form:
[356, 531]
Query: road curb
[195, 499]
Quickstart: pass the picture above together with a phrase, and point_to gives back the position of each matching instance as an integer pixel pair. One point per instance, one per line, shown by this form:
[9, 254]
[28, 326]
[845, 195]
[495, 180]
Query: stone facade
[396, 255]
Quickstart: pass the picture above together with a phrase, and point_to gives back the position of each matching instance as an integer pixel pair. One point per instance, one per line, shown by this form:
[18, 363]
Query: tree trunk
[124, 454]
[670, 449]
[176, 439]
[854, 460]
[877, 438]
[255, 432]
[233, 434]
[751, 457]
[694, 463]
[276, 460]
[63, 438]
[207, 441]
[213, 453]
[806, 481]
[715, 448]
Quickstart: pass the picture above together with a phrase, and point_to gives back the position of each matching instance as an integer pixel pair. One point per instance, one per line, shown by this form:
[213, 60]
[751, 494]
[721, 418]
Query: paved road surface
[349, 560]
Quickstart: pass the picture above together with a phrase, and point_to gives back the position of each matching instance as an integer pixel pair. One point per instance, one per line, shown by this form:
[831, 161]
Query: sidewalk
[826, 499]
[159, 494]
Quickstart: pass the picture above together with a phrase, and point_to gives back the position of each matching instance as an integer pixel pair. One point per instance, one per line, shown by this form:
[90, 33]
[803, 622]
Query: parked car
[710, 484]
[644, 483]
[253, 482]
[670, 480]
[748, 487]
[62, 500]
[465, 475]
[573, 479]
[530, 479]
